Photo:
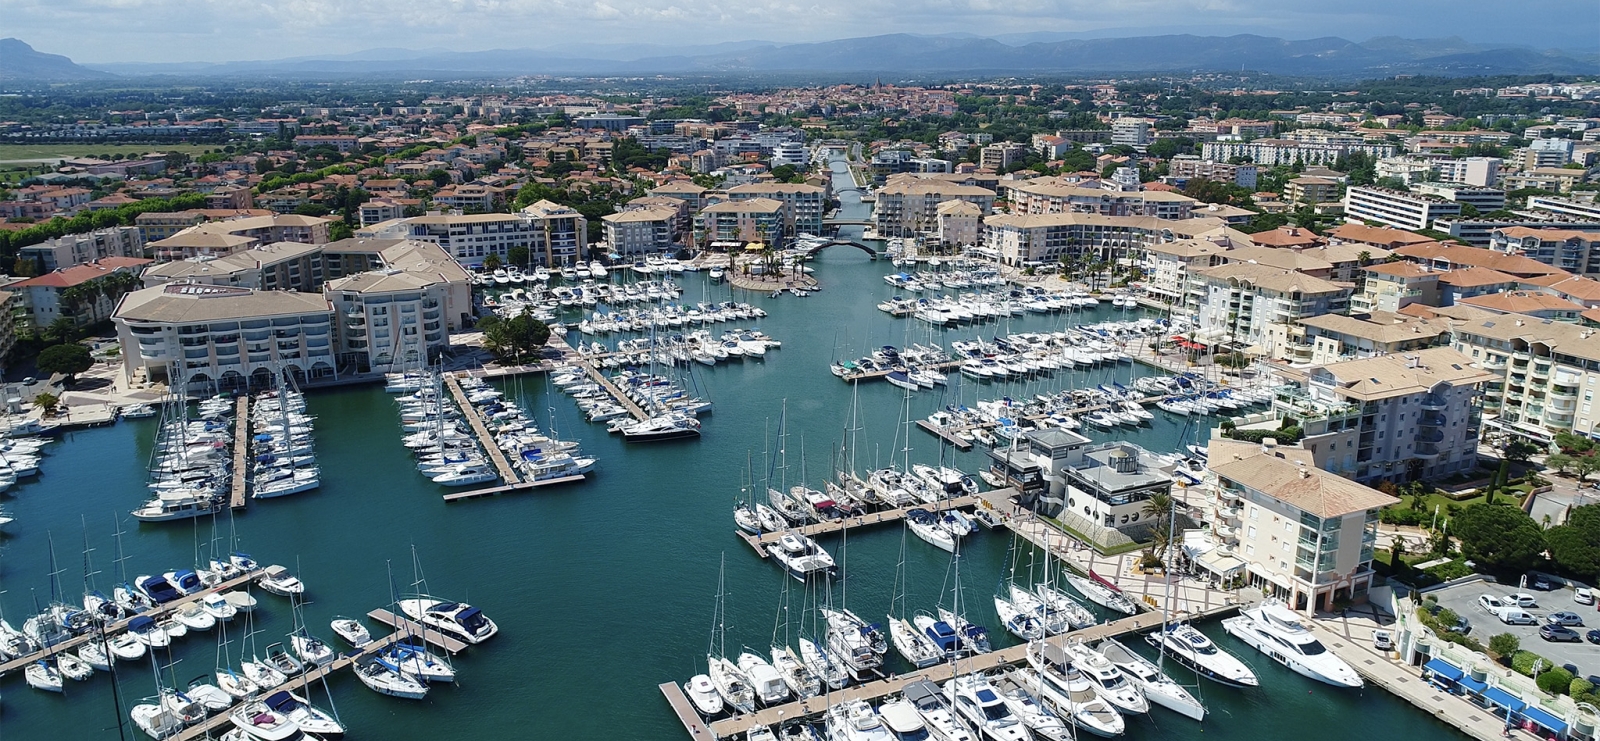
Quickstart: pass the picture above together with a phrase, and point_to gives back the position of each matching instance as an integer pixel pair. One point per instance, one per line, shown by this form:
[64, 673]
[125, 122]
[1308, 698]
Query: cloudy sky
[231, 30]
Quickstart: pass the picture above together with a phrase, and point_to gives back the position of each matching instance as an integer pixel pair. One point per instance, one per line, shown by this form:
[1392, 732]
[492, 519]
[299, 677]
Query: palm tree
[1160, 507]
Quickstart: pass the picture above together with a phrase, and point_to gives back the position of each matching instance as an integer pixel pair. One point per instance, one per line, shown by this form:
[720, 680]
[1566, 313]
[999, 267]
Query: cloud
[228, 30]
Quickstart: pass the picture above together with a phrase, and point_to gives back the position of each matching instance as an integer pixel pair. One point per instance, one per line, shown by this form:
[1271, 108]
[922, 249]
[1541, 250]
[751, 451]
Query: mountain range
[901, 54]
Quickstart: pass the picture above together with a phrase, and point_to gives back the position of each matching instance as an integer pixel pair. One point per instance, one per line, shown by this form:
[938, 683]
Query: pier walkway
[403, 624]
[241, 452]
[524, 486]
[599, 378]
[760, 542]
[496, 455]
[943, 366]
[117, 627]
[944, 433]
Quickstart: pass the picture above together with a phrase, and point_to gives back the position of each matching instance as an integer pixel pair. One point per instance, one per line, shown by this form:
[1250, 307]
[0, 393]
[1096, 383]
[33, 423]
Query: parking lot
[1463, 599]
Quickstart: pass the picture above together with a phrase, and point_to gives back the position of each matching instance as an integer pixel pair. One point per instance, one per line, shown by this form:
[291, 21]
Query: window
[1252, 531]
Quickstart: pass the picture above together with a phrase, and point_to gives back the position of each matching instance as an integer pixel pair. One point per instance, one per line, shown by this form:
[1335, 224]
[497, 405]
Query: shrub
[1452, 570]
[1522, 662]
[1504, 644]
[1579, 687]
[1555, 681]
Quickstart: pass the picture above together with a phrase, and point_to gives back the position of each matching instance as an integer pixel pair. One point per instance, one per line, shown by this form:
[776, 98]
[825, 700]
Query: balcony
[1494, 363]
[1427, 451]
[1558, 417]
[1432, 419]
[1434, 403]
[1563, 393]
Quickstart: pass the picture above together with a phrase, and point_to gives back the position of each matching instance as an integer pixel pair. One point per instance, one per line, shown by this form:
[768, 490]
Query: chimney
[1304, 472]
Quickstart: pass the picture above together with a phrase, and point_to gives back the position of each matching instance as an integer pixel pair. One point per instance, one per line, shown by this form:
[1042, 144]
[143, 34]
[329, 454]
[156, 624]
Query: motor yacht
[1024, 703]
[351, 630]
[1053, 676]
[278, 580]
[979, 704]
[1158, 688]
[1271, 628]
[1191, 648]
[703, 694]
[764, 679]
[1109, 682]
[457, 619]
[304, 715]
[855, 720]
[933, 706]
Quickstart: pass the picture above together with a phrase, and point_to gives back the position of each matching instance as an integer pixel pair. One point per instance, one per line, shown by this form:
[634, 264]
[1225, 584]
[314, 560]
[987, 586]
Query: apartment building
[76, 249]
[682, 190]
[217, 238]
[1167, 266]
[1270, 152]
[1190, 167]
[1256, 306]
[909, 206]
[1456, 256]
[1483, 199]
[1393, 286]
[281, 266]
[1099, 490]
[553, 234]
[752, 220]
[1396, 208]
[1545, 373]
[960, 224]
[390, 320]
[1333, 338]
[1381, 237]
[380, 210]
[640, 231]
[1311, 190]
[1574, 251]
[560, 233]
[1536, 304]
[1000, 155]
[1022, 240]
[1055, 196]
[1131, 132]
[65, 292]
[1584, 210]
[1456, 286]
[1305, 536]
[223, 338]
[1554, 179]
[802, 204]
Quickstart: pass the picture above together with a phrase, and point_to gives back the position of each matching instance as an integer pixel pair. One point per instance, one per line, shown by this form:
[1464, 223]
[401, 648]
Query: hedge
[1555, 681]
[1285, 436]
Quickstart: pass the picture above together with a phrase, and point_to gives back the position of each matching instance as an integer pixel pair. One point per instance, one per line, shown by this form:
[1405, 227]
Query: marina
[547, 563]
[241, 455]
[507, 473]
[764, 541]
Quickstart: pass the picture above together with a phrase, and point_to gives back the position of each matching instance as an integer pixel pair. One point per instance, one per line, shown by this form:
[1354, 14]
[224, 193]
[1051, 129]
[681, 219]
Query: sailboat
[1102, 592]
[913, 645]
[785, 661]
[1020, 620]
[731, 683]
[1151, 678]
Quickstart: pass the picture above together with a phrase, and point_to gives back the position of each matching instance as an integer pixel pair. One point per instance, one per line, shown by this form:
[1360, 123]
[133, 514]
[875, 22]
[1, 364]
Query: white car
[1522, 599]
[1583, 596]
[1492, 604]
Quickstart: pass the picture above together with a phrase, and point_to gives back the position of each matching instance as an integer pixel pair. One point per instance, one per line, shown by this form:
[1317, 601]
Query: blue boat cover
[280, 701]
[1546, 720]
[141, 622]
[1473, 685]
[1504, 699]
[1443, 669]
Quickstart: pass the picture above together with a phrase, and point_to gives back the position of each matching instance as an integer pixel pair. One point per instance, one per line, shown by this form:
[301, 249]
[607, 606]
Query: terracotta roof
[64, 277]
[1572, 286]
[1286, 237]
[1289, 476]
[1402, 269]
[1271, 278]
[1475, 276]
[1549, 235]
[1462, 255]
[1412, 372]
[1376, 235]
[1522, 302]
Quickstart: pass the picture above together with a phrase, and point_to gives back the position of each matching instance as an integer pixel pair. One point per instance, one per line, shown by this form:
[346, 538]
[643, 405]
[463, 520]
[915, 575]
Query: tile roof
[78, 274]
[1522, 302]
[1464, 255]
[1289, 476]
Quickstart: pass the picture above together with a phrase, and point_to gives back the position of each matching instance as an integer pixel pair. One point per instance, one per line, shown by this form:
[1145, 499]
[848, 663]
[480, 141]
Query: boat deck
[119, 626]
[873, 691]
[241, 453]
[524, 486]
[213, 726]
[496, 455]
[760, 542]
[403, 624]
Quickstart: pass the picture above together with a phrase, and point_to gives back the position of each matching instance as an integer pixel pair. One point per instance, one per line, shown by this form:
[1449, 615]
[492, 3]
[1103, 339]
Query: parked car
[1492, 604]
[1569, 619]
[1522, 599]
[1594, 637]
[1583, 596]
[1383, 640]
[1512, 616]
[1462, 626]
[1542, 584]
[1559, 633]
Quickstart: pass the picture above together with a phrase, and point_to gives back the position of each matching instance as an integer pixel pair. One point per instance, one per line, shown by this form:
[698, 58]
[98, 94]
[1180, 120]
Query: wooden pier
[213, 726]
[944, 434]
[524, 486]
[877, 690]
[599, 378]
[760, 542]
[403, 624]
[119, 626]
[241, 453]
[496, 455]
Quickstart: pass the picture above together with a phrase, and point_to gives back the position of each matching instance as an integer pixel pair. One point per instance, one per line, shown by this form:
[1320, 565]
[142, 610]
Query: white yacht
[1052, 674]
[304, 715]
[1108, 681]
[982, 707]
[903, 721]
[732, 684]
[42, 675]
[351, 630]
[1191, 648]
[1102, 593]
[704, 695]
[765, 680]
[259, 721]
[934, 706]
[386, 680]
[1024, 703]
[1158, 688]
[278, 580]
[1274, 630]
[913, 645]
[855, 720]
[800, 555]
[458, 619]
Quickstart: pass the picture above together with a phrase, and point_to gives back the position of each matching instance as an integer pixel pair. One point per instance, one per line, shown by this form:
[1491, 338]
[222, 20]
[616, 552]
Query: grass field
[16, 153]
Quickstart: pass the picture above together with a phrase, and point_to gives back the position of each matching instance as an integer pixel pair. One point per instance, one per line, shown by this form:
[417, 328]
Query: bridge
[844, 242]
[848, 222]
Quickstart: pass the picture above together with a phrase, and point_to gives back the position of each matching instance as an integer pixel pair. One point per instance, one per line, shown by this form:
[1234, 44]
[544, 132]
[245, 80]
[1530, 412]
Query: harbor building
[752, 220]
[1304, 535]
[1401, 417]
[640, 231]
[1058, 196]
[1023, 240]
[802, 203]
[215, 339]
[1098, 490]
[552, 234]
[909, 206]
[1256, 307]
[390, 320]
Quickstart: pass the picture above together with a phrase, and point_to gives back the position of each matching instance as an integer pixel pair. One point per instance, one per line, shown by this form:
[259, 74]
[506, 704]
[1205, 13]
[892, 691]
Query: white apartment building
[909, 206]
[390, 320]
[1131, 132]
[790, 153]
[1483, 199]
[76, 249]
[1585, 210]
[640, 231]
[1269, 152]
[224, 338]
[1546, 373]
[1258, 306]
[1305, 536]
[1167, 266]
[960, 224]
[377, 211]
[553, 234]
[1022, 240]
[1056, 196]
[1188, 166]
[802, 203]
[1396, 208]
[1397, 417]
[1571, 250]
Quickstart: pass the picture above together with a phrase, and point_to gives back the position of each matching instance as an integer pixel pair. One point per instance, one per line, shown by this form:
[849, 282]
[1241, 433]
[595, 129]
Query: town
[1239, 383]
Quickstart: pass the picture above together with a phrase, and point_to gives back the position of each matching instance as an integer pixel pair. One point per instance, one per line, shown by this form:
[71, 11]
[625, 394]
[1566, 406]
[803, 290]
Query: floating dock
[943, 366]
[944, 433]
[241, 452]
[403, 624]
[599, 378]
[524, 486]
[496, 455]
[760, 542]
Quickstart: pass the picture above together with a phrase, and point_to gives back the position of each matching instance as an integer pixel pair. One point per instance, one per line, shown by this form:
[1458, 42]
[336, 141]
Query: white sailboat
[1102, 592]
[912, 644]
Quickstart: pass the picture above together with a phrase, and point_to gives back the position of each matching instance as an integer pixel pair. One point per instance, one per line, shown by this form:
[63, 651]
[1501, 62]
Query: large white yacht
[1274, 630]
[1191, 648]
[981, 705]
[458, 619]
[800, 555]
[1158, 688]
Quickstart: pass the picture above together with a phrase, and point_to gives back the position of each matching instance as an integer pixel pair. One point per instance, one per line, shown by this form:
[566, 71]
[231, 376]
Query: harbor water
[604, 589]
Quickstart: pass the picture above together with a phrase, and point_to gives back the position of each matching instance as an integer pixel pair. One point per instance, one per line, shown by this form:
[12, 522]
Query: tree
[491, 261]
[46, 402]
[1499, 537]
[1575, 545]
[1504, 644]
[517, 337]
[517, 256]
[69, 360]
[1560, 462]
[63, 329]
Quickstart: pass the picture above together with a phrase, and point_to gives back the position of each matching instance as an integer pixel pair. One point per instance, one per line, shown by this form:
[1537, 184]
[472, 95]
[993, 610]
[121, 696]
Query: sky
[233, 30]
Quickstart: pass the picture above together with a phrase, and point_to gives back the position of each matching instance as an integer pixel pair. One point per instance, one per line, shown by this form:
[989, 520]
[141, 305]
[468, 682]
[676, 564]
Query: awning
[1544, 719]
[1443, 669]
[1497, 696]
[1472, 685]
[1221, 565]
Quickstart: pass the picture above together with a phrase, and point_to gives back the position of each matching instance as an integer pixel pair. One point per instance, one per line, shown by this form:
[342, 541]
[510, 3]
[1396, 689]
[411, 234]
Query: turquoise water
[604, 589]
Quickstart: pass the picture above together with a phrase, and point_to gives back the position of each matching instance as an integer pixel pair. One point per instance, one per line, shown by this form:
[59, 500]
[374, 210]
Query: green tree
[1498, 537]
[518, 256]
[69, 360]
[1504, 644]
[491, 262]
[63, 329]
[1575, 544]
[1560, 462]
[519, 337]
[46, 402]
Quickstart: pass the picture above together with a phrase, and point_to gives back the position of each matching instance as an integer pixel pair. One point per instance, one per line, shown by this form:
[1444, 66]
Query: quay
[524, 486]
[760, 542]
[297, 684]
[241, 452]
[877, 690]
[571, 356]
[496, 455]
[403, 624]
[114, 628]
